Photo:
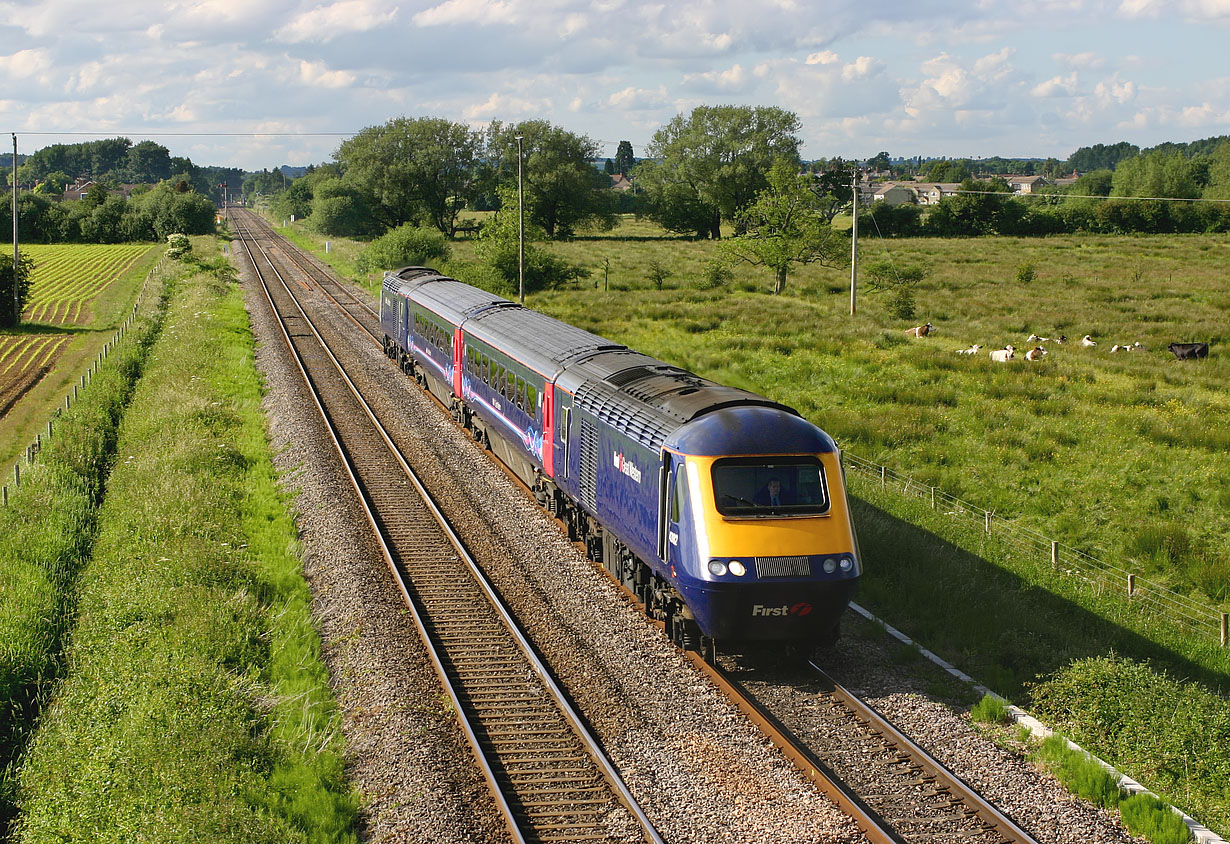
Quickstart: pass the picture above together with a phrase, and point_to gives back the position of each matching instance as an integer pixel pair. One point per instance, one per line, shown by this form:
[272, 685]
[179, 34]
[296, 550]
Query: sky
[260, 83]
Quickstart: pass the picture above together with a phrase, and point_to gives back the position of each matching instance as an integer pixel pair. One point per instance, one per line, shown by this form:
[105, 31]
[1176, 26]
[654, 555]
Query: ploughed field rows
[24, 360]
[67, 279]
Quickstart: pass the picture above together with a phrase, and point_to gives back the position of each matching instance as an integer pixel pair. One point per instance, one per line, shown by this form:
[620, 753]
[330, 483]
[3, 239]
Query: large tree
[713, 162]
[784, 226]
[565, 191]
[413, 170]
[625, 160]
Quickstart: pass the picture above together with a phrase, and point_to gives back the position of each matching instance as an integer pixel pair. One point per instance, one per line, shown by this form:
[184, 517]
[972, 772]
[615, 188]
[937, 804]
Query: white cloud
[25, 64]
[318, 74]
[732, 79]
[1058, 86]
[324, 23]
[861, 68]
[480, 12]
[823, 57]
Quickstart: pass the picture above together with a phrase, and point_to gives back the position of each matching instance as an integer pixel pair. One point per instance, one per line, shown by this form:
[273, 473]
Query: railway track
[892, 788]
[547, 774]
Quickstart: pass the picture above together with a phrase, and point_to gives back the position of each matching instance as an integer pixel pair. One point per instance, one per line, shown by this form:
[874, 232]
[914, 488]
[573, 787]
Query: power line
[1084, 196]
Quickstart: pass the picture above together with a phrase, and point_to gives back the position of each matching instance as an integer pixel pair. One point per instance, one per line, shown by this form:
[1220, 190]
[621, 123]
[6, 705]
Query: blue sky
[258, 83]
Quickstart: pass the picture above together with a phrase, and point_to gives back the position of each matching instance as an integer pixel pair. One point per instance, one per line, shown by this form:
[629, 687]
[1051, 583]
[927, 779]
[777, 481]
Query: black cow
[1189, 351]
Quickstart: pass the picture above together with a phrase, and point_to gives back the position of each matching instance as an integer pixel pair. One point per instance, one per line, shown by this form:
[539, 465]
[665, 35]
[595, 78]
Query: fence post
[988, 521]
[1055, 553]
[17, 476]
[883, 476]
[6, 503]
[1225, 627]
[1131, 585]
[932, 498]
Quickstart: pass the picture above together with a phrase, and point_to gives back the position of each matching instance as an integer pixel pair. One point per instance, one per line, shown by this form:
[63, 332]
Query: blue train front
[725, 513]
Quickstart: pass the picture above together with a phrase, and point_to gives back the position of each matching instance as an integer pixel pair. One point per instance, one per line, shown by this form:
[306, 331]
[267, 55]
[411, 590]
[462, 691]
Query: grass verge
[195, 705]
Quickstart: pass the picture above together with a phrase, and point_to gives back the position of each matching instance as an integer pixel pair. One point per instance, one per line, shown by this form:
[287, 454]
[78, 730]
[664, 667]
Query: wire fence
[1199, 618]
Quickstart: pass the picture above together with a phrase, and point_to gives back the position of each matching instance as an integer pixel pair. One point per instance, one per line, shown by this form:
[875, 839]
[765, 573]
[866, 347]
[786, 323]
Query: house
[930, 193]
[79, 188]
[1026, 184]
[895, 193]
[620, 182]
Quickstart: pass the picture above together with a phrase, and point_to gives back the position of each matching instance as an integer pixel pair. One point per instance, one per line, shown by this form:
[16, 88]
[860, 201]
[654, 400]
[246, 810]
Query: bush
[1148, 817]
[407, 245]
[178, 245]
[901, 303]
[1103, 701]
[1025, 273]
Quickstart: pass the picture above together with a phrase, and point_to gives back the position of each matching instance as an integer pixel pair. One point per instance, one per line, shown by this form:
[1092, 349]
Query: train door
[562, 413]
[403, 310]
[674, 495]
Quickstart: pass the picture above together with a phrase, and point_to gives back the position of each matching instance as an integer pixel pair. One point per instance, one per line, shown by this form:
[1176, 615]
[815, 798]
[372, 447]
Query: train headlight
[830, 565]
[717, 568]
[737, 568]
[846, 563]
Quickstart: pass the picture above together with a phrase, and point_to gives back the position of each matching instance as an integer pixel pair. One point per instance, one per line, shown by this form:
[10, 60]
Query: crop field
[67, 279]
[24, 359]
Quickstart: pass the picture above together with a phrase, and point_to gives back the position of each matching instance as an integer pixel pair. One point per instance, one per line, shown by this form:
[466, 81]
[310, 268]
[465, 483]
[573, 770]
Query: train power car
[724, 512]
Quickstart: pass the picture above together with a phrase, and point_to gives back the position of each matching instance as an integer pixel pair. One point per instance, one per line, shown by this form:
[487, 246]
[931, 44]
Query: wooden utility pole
[854, 242]
[16, 292]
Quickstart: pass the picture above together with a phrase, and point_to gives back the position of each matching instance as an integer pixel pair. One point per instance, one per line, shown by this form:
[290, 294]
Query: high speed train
[725, 513]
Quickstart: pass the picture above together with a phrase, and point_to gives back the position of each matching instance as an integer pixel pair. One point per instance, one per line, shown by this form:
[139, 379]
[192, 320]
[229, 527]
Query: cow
[1189, 351]
[920, 331]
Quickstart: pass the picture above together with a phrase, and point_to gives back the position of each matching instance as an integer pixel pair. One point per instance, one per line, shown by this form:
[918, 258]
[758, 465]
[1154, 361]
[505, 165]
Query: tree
[833, 188]
[879, 161]
[499, 241]
[567, 192]
[784, 226]
[11, 275]
[624, 158]
[714, 161]
[413, 170]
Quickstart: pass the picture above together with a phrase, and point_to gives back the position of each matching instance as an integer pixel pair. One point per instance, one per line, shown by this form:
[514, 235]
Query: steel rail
[624, 796]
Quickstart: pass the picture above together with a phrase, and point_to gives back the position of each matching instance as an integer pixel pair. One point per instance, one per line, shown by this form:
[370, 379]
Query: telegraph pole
[16, 293]
[854, 241]
[521, 218]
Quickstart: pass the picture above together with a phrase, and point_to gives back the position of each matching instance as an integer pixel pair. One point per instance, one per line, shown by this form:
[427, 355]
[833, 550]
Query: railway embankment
[192, 704]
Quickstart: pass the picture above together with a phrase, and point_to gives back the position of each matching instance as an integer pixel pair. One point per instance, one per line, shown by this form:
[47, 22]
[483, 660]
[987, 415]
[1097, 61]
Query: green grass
[195, 706]
[46, 536]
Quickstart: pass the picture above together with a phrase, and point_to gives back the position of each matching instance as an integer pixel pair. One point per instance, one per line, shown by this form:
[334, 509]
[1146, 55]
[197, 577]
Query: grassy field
[114, 275]
[192, 703]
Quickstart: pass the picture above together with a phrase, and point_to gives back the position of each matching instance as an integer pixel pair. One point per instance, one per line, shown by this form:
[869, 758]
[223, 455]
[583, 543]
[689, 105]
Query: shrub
[1148, 817]
[901, 303]
[716, 274]
[1025, 273]
[178, 245]
[407, 245]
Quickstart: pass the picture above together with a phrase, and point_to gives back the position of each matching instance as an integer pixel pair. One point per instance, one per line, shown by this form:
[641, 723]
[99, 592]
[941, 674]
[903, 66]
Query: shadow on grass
[996, 625]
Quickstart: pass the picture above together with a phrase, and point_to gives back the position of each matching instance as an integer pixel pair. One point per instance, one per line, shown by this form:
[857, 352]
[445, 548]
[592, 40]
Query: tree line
[1163, 191]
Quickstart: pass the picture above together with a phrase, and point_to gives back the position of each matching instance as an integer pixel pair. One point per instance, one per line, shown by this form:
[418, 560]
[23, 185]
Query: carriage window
[532, 398]
[770, 486]
[521, 393]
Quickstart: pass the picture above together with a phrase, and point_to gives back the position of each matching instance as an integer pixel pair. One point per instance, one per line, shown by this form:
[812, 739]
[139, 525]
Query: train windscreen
[770, 486]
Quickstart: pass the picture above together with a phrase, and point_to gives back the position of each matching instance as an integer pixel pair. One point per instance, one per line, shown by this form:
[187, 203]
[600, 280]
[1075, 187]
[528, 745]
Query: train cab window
[679, 491]
[770, 487]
